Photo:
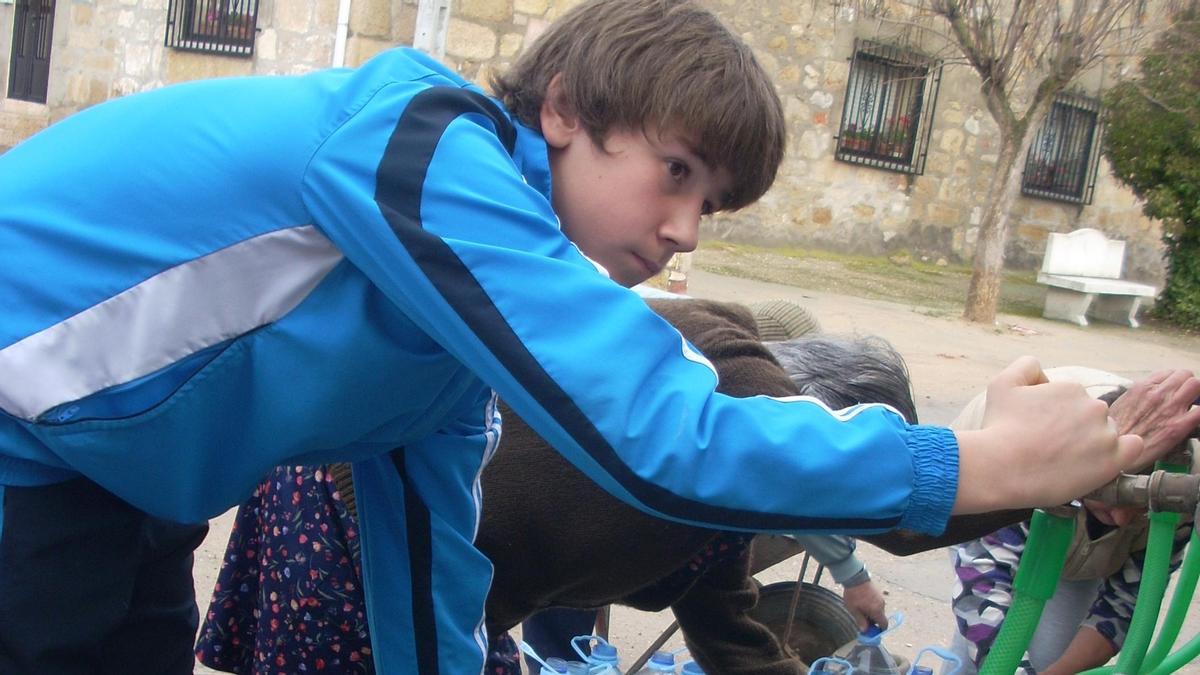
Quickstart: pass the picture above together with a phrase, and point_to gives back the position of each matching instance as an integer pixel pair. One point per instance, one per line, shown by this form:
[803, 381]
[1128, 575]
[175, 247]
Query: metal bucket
[821, 622]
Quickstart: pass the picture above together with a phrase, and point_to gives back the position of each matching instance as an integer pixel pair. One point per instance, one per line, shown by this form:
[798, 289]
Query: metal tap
[1156, 491]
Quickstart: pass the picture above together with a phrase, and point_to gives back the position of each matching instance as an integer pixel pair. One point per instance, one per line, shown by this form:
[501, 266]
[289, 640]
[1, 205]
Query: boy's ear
[560, 124]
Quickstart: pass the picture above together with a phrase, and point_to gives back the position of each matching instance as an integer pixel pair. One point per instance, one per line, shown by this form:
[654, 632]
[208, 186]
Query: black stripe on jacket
[419, 527]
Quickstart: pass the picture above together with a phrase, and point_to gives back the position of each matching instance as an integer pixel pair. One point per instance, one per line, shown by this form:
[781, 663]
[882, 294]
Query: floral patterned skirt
[289, 597]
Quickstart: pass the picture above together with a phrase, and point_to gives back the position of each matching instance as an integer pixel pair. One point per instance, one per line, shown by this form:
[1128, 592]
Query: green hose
[1037, 576]
[1173, 621]
[1184, 590]
[1186, 654]
[1156, 661]
[1155, 573]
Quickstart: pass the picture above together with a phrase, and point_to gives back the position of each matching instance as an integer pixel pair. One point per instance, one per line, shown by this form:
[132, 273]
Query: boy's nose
[682, 229]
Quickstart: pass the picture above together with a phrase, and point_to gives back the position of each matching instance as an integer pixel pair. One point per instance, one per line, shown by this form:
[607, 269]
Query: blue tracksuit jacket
[202, 282]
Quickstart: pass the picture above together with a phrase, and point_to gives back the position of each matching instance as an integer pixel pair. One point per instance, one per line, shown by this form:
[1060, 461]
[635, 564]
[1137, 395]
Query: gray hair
[845, 371]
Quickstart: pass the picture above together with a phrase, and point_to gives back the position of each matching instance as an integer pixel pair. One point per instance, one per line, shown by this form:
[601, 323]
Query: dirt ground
[950, 361]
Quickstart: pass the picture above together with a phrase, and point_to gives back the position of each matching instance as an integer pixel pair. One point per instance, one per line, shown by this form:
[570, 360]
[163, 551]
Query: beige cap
[780, 320]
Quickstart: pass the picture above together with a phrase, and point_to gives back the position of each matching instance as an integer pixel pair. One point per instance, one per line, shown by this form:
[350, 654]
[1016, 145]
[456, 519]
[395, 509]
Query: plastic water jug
[830, 665]
[946, 655]
[555, 665]
[660, 662]
[578, 668]
[691, 668]
[869, 656]
[603, 660]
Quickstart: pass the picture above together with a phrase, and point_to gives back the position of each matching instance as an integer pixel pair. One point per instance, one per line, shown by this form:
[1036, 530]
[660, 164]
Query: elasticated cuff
[857, 579]
[846, 571]
[935, 479]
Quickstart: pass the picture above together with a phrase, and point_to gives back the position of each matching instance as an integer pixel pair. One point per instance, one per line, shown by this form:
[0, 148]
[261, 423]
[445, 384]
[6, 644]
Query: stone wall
[819, 201]
[107, 48]
[103, 49]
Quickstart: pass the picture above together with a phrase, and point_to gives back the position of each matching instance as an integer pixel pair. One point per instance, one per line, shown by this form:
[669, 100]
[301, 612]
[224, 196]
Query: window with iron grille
[889, 106]
[213, 26]
[1064, 157]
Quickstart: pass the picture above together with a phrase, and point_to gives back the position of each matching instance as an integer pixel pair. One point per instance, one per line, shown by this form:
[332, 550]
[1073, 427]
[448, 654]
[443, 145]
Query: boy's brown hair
[630, 64]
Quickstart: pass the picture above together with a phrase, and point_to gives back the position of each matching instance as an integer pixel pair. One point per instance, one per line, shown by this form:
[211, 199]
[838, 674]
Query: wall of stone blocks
[108, 48]
[819, 201]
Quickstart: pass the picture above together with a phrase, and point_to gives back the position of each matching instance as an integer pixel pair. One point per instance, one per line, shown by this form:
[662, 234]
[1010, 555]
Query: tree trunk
[983, 294]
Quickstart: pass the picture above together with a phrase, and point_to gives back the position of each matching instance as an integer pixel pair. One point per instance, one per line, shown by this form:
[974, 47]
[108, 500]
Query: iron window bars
[1063, 159]
[888, 109]
[213, 26]
[33, 30]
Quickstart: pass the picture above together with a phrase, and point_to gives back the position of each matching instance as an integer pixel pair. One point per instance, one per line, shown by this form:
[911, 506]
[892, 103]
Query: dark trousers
[89, 584]
[549, 632]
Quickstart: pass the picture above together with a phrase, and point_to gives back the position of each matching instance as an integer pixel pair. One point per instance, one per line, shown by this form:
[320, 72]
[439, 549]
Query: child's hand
[866, 603]
[1042, 444]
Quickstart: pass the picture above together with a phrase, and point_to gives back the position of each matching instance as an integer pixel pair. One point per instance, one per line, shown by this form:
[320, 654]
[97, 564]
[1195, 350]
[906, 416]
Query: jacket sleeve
[727, 334]
[421, 194]
[835, 552]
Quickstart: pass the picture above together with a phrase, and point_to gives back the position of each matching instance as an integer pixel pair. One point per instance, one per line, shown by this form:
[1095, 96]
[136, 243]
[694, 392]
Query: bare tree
[1025, 53]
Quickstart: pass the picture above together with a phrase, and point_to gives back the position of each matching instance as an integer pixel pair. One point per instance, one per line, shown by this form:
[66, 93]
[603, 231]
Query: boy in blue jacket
[205, 281]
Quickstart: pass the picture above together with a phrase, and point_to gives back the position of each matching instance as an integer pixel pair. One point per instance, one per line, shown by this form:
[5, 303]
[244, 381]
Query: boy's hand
[1042, 444]
[1159, 409]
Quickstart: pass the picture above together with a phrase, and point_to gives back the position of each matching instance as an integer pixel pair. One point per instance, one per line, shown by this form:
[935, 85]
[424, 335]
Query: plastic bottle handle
[591, 659]
[945, 654]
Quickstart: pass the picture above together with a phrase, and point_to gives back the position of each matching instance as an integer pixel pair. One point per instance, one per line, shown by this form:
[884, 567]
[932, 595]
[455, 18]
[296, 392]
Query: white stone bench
[1082, 274]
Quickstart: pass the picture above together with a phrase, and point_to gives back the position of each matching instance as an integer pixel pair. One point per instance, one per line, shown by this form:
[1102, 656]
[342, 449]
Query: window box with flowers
[856, 140]
[216, 26]
[896, 138]
[1064, 156]
[232, 26]
[888, 110]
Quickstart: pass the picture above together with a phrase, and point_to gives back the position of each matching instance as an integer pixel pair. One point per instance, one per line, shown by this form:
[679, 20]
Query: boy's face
[635, 202]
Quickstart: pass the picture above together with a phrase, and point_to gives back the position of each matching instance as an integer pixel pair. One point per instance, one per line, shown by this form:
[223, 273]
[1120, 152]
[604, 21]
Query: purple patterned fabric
[984, 570]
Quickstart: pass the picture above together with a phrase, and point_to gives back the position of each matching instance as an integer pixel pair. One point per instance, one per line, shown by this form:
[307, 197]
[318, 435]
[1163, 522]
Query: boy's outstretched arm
[1042, 443]
[476, 261]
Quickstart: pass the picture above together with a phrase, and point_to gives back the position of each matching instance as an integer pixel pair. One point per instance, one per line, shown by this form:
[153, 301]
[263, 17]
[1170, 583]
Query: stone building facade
[101, 49]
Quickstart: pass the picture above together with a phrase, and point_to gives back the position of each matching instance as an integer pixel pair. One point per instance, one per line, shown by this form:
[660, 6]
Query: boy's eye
[678, 169]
